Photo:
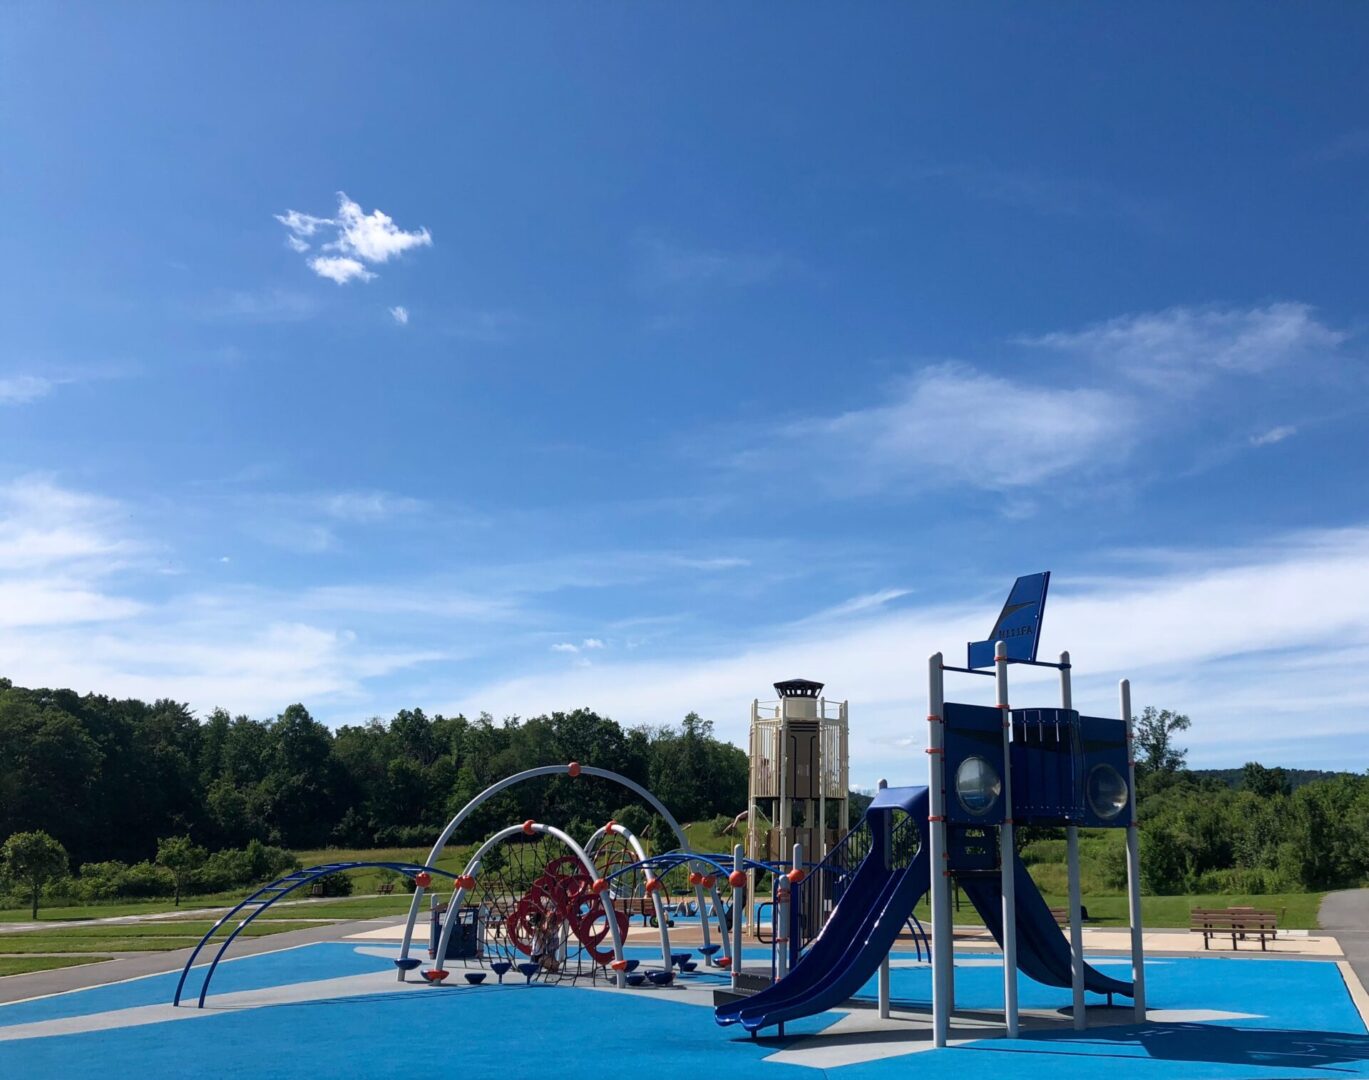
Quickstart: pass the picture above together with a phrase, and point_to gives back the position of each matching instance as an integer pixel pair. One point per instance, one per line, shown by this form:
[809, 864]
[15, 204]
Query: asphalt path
[1345, 916]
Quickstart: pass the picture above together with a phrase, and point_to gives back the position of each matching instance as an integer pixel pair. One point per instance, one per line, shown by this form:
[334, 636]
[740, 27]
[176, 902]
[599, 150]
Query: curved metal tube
[507, 782]
[473, 865]
[281, 887]
[657, 904]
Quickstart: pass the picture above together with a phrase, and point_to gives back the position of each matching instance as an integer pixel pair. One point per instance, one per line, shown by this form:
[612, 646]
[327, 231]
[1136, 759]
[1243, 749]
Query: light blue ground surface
[1305, 1026]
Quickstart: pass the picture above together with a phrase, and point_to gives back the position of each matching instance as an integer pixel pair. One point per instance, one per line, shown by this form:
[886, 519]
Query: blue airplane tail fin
[1019, 623]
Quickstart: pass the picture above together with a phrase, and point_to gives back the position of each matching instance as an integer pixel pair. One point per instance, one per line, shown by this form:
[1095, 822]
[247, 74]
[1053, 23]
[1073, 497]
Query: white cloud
[359, 239]
[400, 314]
[950, 423]
[22, 389]
[1180, 349]
[367, 506]
[303, 224]
[1267, 649]
[591, 643]
[374, 236]
[44, 527]
[339, 268]
[859, 605]
[1273, 435]
[566, 647]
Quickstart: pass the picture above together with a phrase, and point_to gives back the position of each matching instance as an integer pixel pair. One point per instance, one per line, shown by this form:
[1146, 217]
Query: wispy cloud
[260, 306]
[365, 506]
[860, 605]
[663, 263]
[1273, 435]
[400, 314]
[1278, 633]
[1050, 195]
[22, 389]
[359, 240]
[950, 423]
[1182, 349]
[1350, 144]
[309, 523]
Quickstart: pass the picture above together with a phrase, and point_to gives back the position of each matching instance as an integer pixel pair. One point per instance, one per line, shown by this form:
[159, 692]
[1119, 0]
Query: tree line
[108, 777]
[1266, 830]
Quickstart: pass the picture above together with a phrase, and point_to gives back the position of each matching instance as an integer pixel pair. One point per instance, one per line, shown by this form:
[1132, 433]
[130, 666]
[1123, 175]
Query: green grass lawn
[22, 965]
[60, 911]
[145, 937]
[1296, 911]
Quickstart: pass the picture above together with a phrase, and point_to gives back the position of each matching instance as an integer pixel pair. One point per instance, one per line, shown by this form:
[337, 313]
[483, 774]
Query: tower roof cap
[798, 688]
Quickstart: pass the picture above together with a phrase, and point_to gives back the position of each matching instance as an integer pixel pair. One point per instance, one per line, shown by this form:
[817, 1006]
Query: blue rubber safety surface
[1304, 1025]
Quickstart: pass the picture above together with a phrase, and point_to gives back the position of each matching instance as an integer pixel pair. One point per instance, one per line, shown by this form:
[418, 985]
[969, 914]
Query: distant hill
[1296, 777]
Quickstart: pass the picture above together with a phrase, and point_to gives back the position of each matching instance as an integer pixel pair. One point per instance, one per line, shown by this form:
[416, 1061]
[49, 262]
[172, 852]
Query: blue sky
[656, 352]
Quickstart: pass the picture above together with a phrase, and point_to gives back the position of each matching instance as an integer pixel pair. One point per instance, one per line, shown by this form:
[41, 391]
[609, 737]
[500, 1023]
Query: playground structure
[799, 779]
[533, 898]
[1002, 766]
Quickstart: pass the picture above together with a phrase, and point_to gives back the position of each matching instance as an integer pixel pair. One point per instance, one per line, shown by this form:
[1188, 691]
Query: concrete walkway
[1345, 916]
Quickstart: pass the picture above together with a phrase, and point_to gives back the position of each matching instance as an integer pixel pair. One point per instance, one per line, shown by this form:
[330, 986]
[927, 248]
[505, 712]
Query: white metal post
[884, 964]
[1138, 949]
[738, 906]
[942, 946]
[1006, 849]
[1072, 848]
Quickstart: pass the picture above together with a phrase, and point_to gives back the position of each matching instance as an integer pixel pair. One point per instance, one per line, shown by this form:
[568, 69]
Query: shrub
[145, 879]
[100, 880]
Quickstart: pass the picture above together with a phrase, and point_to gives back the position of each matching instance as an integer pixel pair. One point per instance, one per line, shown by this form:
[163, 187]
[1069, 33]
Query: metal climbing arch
[267, 895]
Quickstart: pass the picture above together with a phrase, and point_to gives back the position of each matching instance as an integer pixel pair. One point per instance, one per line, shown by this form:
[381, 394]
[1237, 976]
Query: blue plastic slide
[861, 930]
[1043, 951]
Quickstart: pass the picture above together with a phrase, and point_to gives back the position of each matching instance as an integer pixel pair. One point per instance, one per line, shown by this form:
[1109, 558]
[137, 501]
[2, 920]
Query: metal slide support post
[1138, 949]
[942, 946]
[1006, 847]
[1081, 1018]
[738, 906]
[792, 926]
[884, 964]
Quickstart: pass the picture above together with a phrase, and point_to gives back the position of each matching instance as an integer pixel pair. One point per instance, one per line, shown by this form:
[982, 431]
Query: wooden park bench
[385, 888]
[1061, 915]
[1241, 923]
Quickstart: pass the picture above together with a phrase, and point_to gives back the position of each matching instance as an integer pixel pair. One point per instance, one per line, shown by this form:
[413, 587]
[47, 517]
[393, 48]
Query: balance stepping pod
[501, 968]
[529, 970]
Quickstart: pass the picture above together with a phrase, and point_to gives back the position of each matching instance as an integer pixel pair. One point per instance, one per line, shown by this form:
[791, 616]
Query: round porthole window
[977, 785]
[1107, 791]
